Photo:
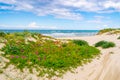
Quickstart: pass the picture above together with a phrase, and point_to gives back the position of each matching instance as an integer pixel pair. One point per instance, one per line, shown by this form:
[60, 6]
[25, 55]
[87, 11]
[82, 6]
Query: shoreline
[104, 67]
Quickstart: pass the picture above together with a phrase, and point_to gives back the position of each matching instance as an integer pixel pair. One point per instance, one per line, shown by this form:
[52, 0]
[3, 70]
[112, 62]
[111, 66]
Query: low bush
[118, 37]
[2, 34]
[100, 43]
[48, 56]
[80, 42]
[104, 44]
[108, 45]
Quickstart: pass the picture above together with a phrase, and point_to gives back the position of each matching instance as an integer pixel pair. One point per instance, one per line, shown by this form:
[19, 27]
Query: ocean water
[60, 33]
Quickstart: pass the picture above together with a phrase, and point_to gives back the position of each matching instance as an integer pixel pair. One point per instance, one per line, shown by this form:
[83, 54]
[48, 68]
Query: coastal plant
[104, 44]
[2, 34]
[100, 43]
[106, 30]
[108, 45]
[1, 71]
[118, 37]
[109, 31]
[80, 42]
[47, 56]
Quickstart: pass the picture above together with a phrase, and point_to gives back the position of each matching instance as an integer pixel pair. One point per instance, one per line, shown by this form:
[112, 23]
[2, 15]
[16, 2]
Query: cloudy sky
[59, 14]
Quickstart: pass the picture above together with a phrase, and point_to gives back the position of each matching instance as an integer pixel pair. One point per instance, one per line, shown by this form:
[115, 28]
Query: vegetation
[1, 71]
[118, 37]
[80, 42]
[47, 55]
[2, 34]
[104, 44]
[110, 30]
[100, 43]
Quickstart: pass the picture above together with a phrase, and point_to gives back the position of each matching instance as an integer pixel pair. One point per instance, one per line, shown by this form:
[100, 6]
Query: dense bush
[118, 37]
[104, 44]
[100, 43]
[109, 44]
[80, 42]
[2, 34]
[47, 56]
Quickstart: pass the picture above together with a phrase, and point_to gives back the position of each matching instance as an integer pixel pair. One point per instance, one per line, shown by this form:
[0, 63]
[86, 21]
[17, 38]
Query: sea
[60, 33]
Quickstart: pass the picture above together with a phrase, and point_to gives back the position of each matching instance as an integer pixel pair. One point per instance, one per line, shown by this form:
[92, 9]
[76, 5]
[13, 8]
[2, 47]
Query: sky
[59, 14]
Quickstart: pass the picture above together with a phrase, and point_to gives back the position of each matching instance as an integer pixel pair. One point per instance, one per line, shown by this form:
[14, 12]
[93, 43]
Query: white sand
[107, 67]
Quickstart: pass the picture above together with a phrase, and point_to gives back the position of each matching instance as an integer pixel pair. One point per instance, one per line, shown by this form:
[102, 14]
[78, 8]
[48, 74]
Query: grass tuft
[80, 42]
[109, 31]
[118, 37]
[48, 56]
[104, 44]
[2, 34]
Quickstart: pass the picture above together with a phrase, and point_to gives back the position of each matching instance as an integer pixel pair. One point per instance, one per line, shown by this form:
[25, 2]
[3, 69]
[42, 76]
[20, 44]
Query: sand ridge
[106, 67]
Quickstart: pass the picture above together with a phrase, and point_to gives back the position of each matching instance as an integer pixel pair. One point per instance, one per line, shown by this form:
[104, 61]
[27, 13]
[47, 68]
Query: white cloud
[63, 8]
[112, 4]
[3, 25]
[33, 25]
[83, 5]
[97, 6]
[97, 19]
[105, 25]
[66, 14]
[8, 1]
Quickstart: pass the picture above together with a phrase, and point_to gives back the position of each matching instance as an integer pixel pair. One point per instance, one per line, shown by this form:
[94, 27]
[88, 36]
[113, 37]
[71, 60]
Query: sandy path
[106, 68]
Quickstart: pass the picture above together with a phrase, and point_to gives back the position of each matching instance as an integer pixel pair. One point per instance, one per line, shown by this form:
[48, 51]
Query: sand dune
[107, 67]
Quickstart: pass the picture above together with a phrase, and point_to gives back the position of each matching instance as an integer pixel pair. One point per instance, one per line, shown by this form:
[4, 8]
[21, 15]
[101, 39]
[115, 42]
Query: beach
[59, 39]
[104, 67]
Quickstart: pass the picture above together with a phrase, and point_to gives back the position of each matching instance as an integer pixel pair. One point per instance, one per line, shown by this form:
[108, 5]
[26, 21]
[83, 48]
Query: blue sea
[60, 33]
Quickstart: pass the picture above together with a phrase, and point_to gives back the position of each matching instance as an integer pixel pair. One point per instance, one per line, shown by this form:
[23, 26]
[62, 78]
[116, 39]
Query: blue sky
[59, 14]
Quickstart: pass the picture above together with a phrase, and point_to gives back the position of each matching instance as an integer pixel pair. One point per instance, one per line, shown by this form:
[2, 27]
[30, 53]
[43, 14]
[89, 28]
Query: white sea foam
[70, 34]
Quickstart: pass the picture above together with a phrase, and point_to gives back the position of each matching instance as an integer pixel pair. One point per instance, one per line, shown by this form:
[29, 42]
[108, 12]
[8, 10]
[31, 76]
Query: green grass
[111, 30]
[100, 43]
[52, 57]
[105, 30]
[80, 42]
[118, 37]
[104, 44]
[2, 34]
[1, 71]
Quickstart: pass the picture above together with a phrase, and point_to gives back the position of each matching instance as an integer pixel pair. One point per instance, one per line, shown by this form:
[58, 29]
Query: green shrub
[64, 45]
[100, 43]
[2, 34]
[48, 56]
[80, 42]
[1, 71]
[108, 45]
[118, 37]
[104, 44]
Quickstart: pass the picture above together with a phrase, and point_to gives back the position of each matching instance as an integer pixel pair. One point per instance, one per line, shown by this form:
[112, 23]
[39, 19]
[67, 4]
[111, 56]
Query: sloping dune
[107, 67]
